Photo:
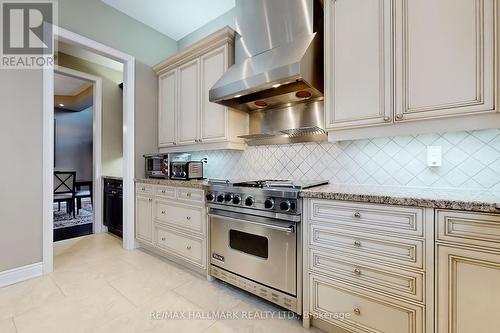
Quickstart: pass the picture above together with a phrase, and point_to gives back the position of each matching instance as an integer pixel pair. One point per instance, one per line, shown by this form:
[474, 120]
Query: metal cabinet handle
[143, 189]
[188, 247]
[188, 218]
[357, 271]
[357, 311]
[163, 212]
[357, 243]
[188, 194]
[357, 214]
[163, 191]
[150, 199]
[163, 238]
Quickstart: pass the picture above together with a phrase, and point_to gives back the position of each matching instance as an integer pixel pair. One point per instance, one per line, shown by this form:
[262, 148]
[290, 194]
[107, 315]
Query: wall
[73, 142]
[112, 111]
[21, 125]
[471, 160]
[226, 19]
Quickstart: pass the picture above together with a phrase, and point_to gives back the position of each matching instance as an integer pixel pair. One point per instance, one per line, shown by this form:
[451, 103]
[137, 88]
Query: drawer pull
[188, 247]
[143, 189]
[357, 214]
[357, 271]
[188, 194]
[163, 212]
[357, 311]
[150, 199]
[163, 238]
[163, 191]
[357, 243]
[188, 218]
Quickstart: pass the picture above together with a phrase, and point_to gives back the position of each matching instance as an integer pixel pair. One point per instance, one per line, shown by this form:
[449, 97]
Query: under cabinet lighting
[61, 105]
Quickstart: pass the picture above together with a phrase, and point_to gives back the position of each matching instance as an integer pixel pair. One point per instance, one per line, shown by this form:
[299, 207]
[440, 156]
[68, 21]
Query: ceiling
[174, 18]
[69, 86]
[71, 94]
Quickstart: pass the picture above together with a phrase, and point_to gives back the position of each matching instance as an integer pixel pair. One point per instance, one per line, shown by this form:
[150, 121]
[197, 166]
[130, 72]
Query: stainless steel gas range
[255, 237]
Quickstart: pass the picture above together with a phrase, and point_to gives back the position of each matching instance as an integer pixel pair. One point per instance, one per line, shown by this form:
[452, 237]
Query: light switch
[434, 156]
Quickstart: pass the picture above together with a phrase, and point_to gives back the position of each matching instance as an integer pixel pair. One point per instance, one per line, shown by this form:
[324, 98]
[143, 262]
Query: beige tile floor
[97, 286]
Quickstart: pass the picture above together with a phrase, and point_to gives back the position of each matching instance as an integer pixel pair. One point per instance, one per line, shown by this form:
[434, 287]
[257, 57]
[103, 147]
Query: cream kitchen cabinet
[171, 222]
[358, 54]
[399, 67]
[369, 262]
[468, 271]
[187, 120]
[144, 218]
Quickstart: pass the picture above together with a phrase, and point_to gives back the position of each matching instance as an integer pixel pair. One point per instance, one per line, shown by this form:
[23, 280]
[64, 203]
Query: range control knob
[220, 198]
[183, 174]
[236, 200]
[228, 197]
[210, 196]
[269, 203]
[285, 205]
[249, 201]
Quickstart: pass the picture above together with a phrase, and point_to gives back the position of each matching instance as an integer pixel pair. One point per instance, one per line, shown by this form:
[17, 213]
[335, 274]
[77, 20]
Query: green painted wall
[225, 19]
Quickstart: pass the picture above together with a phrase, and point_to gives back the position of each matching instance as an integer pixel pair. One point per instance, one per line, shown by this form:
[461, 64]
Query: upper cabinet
[445, 57]
[187, 120]
[398, 67]
[358, 55]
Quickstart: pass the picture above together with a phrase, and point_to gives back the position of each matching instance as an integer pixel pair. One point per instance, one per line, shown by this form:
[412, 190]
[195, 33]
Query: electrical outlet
[434, 156]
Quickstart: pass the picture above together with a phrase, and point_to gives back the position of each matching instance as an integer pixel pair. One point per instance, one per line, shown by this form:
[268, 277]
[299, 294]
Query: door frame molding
[128, 62]
[96, 81]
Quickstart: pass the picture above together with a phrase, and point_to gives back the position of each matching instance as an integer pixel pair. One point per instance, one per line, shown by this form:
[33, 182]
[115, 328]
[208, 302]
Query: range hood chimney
[278, 66]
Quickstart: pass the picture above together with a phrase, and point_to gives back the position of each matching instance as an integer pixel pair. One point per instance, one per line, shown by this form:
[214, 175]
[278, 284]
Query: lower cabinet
[368, 267]
[144, 218]
[171, 222]
[468, 276]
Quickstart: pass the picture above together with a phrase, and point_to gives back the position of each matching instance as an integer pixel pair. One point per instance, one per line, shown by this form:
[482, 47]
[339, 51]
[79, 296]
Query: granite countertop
[171, 182]
[479, 201]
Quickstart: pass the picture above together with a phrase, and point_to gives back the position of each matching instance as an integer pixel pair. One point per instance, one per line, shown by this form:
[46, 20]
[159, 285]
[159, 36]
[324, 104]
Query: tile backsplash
[471, 160]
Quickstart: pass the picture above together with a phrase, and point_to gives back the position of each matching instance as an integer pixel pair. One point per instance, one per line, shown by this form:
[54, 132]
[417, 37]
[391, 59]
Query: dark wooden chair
[64, 189]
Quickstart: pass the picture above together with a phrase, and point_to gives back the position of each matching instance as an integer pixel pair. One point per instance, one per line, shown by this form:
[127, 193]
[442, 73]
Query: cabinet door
[167, 108]
[189, 106]
[358, 63]
[144, 218]
[445, 58]
[468, 292]
[213, 116]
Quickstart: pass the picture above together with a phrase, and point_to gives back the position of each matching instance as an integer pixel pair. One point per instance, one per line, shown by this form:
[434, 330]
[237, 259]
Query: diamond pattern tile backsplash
[471, 161]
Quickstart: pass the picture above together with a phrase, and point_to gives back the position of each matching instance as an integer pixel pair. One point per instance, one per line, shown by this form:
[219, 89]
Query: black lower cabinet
[113, 206]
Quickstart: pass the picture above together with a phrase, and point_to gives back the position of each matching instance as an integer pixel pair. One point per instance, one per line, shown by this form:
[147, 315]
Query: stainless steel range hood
[278, 66]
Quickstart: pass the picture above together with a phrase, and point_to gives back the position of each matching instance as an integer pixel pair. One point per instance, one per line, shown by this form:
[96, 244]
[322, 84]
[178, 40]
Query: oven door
[260, 249]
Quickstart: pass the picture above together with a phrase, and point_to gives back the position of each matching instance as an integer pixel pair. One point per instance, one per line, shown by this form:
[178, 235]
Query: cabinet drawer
[165, 191]
[180, 215]
[382, 218]
[187, 248]
[188, 194]
[362, 312]
[387, 250]
[468, 228]
[144, 188]
[382, 280]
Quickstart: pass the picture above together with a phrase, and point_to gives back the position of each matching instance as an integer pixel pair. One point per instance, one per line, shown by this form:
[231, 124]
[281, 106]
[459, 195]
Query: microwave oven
[157, 166]
[187, 170]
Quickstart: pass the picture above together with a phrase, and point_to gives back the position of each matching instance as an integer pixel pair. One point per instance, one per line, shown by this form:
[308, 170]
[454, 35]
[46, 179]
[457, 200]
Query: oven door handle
[289, 230]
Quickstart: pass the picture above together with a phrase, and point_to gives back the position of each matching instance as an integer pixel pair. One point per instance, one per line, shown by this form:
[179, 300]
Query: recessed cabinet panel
[358, 63]
[144, 218]
[468, 293]
[445, 57]
[213, 115]
[167, 109]
[188, 102]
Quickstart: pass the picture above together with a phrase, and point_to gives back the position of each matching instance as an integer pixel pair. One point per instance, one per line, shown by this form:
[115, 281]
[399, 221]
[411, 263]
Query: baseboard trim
[19, 274]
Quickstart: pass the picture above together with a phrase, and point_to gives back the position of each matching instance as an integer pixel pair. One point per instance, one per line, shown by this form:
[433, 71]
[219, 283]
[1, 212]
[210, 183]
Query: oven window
[249, 243]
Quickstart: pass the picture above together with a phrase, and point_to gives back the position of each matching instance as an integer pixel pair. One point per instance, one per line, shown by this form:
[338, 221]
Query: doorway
[128, 144]
[77, 136]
